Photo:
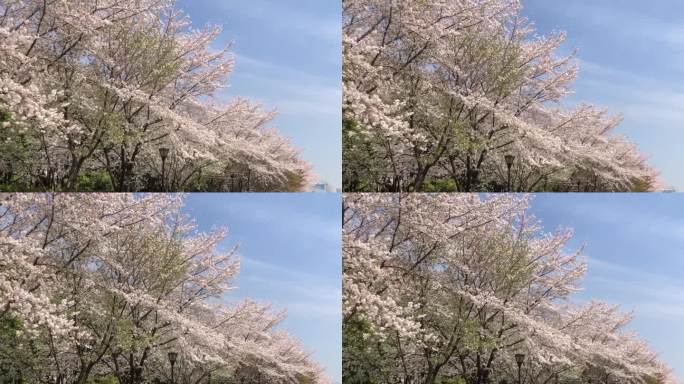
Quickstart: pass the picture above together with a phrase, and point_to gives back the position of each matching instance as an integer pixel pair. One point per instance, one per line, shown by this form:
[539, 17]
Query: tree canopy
[96, 286]
[446, 90]
[94, 90]
[451, 287]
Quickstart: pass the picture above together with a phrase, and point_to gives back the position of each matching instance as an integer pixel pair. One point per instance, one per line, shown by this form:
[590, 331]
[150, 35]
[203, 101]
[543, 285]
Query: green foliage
[18, 352]
[303, 379]
[15, 185]
[654, 379]
[642, 185]
[361, 162]
[294, 182]
[462, 138]
[365, 360]
[94, 181]
[455, 380]
[18, 155]
[108, 379]
[439, 185]
[513, 269]
[499, 62]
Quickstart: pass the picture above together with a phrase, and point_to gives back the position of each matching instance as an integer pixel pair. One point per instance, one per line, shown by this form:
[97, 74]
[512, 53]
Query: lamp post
[115, 358]
[232, 182]
[249, 178]
[509, 163]
[519, 359]
[485, 375]
[163, 153]
[137, 374]
[52, 174]
[172, 360]
[128, 173]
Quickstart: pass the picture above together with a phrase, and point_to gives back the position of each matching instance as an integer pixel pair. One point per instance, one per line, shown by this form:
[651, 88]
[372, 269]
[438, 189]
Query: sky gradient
[632, 62]
[289, 58]
[634, 245]
[289, 247]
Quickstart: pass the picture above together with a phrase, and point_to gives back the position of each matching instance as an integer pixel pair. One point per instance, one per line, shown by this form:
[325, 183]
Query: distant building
[321, 187]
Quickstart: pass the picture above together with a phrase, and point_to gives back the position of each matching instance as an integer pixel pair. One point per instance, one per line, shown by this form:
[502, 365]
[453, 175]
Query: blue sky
[632, 54]
[290, 257]
[288, 56]
[634, 245]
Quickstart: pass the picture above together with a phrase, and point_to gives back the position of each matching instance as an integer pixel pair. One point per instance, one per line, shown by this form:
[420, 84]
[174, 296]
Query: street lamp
[233, 182]
[163, 153]
[172, 360]
[127, 173]
[485, 375]
[509, 163]
[137, 374]
[519, 359]
[115, 354]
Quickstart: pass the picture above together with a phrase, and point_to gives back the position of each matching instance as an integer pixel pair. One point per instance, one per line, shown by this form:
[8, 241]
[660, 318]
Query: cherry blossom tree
[96, 89]
[447, 286]
[108, 284]
[450, 95]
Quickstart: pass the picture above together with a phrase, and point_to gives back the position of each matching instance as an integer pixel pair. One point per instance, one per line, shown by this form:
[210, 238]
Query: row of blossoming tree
[462, 95]
[100, 287]
[122, 95]
[449, 288]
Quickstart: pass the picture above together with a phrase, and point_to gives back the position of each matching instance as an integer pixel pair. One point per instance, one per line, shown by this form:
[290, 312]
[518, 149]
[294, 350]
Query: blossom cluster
[458, 284]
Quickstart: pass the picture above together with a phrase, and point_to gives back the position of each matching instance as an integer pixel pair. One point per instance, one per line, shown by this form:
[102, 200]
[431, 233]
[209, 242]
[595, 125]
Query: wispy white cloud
[298, 93]
[287, 16]
[301, 299]
[290, 274]
[651, 295]
[299, 97]
[626, 21]
[635, 96]
[303, 294]
[635, 221]
[257, 65]
[284, 218]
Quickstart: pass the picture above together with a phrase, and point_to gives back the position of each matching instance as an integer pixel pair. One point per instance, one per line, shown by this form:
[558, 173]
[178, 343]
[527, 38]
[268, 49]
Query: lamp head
[172, 357]
[163, 152]
[509, 159]
[520, 358]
